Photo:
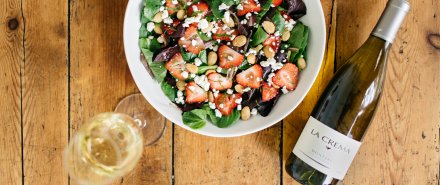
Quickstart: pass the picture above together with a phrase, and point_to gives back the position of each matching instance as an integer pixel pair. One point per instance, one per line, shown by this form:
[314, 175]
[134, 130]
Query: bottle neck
[391, 19]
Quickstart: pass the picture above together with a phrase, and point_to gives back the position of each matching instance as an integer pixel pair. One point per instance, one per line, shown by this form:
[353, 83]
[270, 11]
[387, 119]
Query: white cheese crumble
[277, 66]
[150, 26]
[219, 69]
[197, 62]
[269, 78]
[193, 42]
[285, 91]
[289, 24]
[168, 20]
[203, 24]
[223, 6]
[174, 2]
[165, 14]
[202, 81]
[229, 91]
[179, 98]
[247, 89]
[238, 107]
[238, 101]
[268, 62]
[211, 105]
[254, 112]
[240, 7]
[185, 75]
[218, 113]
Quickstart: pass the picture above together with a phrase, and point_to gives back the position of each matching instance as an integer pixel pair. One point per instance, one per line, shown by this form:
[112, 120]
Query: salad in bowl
[224, 60]
[153, 39]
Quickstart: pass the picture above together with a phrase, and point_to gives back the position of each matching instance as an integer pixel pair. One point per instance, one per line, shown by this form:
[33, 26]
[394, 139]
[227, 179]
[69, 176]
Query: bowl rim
[162, 111]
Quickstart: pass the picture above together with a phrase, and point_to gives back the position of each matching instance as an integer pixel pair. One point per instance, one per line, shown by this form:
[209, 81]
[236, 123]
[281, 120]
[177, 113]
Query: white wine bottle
[332, 135]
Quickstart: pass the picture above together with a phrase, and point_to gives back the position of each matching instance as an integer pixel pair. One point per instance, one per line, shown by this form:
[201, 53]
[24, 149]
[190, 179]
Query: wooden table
[62, 61]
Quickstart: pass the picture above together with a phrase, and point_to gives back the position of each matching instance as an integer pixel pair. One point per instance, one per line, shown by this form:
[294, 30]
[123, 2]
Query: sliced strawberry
[169, 29]
[287, 76]
[276, 3]
[197, 8]
[224, 33]
[191, 41]
[273, 42]
[176, 66]
[268, 92]
[194, 93]
[229, 57]
[219, 82]
[172, 8]
[248, 6]
[225, 103]
[251, 77]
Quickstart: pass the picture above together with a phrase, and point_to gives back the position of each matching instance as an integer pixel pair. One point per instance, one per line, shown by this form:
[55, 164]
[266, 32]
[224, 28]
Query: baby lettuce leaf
[202, 56]
[157, 68]
[215, 4]
[224, 121]
[195, 118]
[259, 36]
[169, 91]
[151, 8]
[264, 10]
[187, 56]
[295, 8]
[203, 69]
[278, 20]
[150, 44]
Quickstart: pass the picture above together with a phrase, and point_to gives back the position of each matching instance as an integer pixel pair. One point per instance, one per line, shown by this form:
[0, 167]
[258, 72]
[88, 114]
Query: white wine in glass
[104, 149]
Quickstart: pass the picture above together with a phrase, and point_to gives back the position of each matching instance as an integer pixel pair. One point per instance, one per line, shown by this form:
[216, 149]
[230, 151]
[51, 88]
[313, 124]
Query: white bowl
[286, 104]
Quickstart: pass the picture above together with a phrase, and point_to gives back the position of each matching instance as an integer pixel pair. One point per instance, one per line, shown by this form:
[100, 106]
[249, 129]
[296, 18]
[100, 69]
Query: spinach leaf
[224, 121]
[143, 33]
[296, 38]
[187, 56]
[143, 18]
[169, 91]
[245, 65]
[214, 5]
[202, 56]
[158, 68]
[203, 36]
[264, 10]
[278, 20]
[203, 69]
[299, 40]
[195, 118]
[151, 8]
[150, 44]
[259, 36]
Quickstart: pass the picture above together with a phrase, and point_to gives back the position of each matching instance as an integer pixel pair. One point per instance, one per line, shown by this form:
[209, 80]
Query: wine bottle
[332, 135]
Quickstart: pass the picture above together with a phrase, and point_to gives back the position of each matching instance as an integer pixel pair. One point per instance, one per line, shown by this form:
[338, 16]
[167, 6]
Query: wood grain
[402, 144]
[295, 122]
[100, 78]
[11, 50]
[251, 159]
[45, 122]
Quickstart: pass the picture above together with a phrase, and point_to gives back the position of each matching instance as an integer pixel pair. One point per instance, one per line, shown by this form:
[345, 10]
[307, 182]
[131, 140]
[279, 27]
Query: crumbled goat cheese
[223, 6]
[203, 24]
[185, 75]
[150, 26]
[197, 62]
[285, 91]
[218, 113]
[254, 112]
[229, 91]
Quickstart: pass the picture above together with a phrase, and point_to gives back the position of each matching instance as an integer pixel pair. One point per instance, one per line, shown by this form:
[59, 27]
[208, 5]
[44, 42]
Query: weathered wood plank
[100, 78]
[11, 50]
[251, 159]
[45, 91]
[402, 145]
[295, 122]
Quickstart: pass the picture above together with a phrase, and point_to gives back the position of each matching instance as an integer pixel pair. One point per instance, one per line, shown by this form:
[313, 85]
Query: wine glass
[110, 144]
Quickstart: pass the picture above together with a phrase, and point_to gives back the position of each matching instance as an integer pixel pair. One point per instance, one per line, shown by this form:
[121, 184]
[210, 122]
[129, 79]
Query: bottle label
[325, 149]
